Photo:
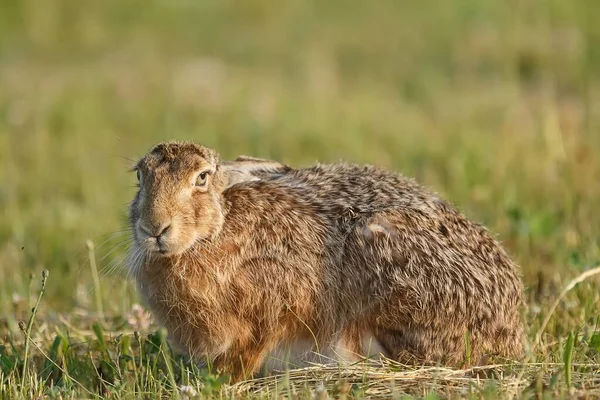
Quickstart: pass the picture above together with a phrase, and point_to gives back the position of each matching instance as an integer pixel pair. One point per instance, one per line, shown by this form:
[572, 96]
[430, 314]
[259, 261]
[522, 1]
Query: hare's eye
[139, 175]
[202, 178]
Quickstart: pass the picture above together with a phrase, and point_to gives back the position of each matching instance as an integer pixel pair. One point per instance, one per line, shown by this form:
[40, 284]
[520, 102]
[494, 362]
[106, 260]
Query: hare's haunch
[239, 260]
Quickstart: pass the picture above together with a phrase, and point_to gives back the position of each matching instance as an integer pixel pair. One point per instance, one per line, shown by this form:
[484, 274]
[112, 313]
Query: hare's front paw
[240, 362]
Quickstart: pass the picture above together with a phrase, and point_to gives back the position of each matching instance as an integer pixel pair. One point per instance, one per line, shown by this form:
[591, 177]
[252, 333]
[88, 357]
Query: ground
[495, 105]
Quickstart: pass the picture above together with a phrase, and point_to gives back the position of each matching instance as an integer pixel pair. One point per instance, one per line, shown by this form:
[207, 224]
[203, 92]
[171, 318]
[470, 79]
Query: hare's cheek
[182, 233]
[200, 205]
[186, 236]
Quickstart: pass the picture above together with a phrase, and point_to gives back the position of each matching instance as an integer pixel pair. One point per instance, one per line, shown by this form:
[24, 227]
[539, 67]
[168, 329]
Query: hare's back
[361, 188]
[393, 204]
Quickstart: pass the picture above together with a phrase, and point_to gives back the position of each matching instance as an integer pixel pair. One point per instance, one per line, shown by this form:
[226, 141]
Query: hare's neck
[164, 282]
[203, 265]
[177, 288]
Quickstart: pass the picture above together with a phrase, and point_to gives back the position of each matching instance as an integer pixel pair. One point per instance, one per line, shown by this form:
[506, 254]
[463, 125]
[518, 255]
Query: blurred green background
[494, 104]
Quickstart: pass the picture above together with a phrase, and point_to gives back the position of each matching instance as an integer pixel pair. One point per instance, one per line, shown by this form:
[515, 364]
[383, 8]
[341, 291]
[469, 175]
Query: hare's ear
[256, 165]
[249, 169]
[254, 160]
[234, 176]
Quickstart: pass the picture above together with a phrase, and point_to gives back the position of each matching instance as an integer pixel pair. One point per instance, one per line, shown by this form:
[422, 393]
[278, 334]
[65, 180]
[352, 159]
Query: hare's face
[179, 199]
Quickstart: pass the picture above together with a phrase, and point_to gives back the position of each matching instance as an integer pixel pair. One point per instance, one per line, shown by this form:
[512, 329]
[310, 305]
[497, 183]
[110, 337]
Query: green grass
[494, 104]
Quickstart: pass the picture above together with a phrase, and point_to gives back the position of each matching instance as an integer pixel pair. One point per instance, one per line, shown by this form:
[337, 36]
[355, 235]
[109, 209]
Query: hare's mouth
[165, 248]
[152, 246]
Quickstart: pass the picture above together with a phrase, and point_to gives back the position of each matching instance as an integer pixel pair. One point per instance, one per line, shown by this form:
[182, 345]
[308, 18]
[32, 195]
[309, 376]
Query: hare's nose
[163, 230]
[158, 231]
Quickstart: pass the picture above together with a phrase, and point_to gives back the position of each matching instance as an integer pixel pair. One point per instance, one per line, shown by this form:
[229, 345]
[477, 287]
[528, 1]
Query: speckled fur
[330, 254]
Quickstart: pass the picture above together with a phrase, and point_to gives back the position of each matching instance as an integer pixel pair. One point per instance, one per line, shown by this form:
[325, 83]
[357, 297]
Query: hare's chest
[192, 314]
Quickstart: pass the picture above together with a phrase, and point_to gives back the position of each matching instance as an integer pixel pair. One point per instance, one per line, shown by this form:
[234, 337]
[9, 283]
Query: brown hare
[240, 259]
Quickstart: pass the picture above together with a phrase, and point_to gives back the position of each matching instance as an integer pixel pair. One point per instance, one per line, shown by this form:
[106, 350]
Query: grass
[494, 104]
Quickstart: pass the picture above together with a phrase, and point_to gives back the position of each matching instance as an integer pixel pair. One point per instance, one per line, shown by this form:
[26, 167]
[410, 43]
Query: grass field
[494, 104]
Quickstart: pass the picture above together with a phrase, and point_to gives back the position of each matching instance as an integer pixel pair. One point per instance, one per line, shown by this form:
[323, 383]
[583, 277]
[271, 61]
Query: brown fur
[265, 256]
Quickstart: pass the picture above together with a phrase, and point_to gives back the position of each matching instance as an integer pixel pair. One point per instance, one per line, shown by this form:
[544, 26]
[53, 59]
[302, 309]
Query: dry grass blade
[382, 379]
[587, 274]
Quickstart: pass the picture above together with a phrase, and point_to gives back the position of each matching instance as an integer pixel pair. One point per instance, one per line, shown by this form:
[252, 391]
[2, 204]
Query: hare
[240, 259]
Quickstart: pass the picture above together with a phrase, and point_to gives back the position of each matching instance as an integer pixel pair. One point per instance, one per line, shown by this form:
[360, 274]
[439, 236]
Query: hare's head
[179, 198]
